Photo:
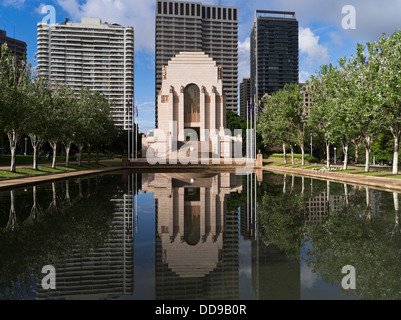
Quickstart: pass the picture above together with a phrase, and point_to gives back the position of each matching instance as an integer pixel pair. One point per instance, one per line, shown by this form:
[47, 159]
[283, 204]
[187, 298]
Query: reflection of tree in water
[371, 243]
[50, 237]
[361, 230]
[281, 214]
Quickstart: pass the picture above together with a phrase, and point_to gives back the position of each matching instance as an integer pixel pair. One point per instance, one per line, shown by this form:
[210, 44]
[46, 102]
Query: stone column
[170, 119]
[202, 215]
[181, 120]
[212, 109]
[181, 208]
[202, 113]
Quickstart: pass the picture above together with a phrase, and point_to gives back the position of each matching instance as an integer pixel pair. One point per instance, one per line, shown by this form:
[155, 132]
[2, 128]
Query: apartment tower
[194, 27]
[274, 52]
[17, 47]
[91, 54]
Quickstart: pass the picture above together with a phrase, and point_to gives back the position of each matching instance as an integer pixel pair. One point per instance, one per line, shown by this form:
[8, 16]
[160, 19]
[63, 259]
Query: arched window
[192, 103]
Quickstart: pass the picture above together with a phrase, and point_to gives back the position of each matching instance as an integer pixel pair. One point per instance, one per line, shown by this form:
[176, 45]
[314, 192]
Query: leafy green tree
[385, 60]
[323, 90]
[39, 97]
[272, 124]
[14, 83]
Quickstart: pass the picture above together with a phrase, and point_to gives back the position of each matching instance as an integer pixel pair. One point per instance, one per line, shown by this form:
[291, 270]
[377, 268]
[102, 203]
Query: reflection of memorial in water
[197, 240]
[104, 272]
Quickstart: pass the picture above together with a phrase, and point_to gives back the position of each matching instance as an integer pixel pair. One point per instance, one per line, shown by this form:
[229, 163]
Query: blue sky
[322, 37]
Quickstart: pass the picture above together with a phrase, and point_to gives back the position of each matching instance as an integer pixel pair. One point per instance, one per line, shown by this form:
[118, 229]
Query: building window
[176, 8]
[224, 14]
[182, 9]
[192, 9]
[214, 13]
[229, 14]
[235, 14]
[159, 6]
[187, 9]
[171, 8]
[208, 12]
[219, 13]
[198, 10]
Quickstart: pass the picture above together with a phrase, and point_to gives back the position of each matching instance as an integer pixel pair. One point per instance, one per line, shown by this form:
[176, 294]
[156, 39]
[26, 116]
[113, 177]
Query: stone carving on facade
[213, 89]
[164, 73]
[219, 76]
[182, 89]
[171, 89]
[203, 90]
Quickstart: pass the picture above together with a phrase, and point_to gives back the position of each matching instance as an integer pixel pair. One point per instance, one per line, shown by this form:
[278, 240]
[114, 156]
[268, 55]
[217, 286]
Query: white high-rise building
[91, 54]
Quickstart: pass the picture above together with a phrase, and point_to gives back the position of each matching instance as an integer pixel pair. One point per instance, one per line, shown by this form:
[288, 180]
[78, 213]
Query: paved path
[11, 183]
[387, 184]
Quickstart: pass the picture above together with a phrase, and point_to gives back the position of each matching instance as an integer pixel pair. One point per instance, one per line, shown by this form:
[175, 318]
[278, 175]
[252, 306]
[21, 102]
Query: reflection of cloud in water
[246, 271]
[308, 278]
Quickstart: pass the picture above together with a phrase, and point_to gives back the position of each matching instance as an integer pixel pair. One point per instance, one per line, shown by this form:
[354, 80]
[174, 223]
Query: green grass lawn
[10, 175]
[45, 170]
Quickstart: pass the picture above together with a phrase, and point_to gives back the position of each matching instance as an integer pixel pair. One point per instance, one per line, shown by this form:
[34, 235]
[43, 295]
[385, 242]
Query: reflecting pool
[199, 235]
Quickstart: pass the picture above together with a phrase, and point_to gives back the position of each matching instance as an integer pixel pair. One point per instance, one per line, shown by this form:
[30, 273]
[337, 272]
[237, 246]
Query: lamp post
[26, 140]
[311, 145]
[335, 155]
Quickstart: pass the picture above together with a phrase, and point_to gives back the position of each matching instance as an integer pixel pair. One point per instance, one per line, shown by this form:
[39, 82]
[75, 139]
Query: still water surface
[160, 236]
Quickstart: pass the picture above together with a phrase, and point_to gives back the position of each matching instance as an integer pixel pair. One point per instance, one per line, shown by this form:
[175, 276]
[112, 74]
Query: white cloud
[244, 59]
[139, 14]
[14, 3]
[303, 76]
[308, 278]
[310, 46]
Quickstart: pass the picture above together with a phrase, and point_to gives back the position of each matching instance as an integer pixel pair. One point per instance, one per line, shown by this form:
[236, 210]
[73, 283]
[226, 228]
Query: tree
[39, 97]
[272, 124]
[56, 120]
[14, 84]
[385, 58]
[322, 89]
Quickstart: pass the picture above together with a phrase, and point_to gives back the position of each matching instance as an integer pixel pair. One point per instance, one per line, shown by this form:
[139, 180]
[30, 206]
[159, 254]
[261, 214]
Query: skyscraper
[274, 52]
[91, 54]
[245, 96]
[192, 26]
[17, 47]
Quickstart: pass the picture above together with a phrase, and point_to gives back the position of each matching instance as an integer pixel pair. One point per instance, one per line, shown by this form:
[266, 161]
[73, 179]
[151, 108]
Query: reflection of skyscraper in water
[197, 239]
[104, 273]
[274, 275]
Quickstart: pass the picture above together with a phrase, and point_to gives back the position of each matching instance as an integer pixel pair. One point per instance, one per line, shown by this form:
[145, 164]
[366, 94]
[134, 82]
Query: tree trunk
[328, 195]
[303, 154]
[397, 213]
[36, 145]
[396, 153]
[346, 194]
[285, 153]
[54, 147]
[285, 183]
[346, 151]
[292, 155]
[67, 147]
[356, 152]
[328, 154]
[368, 204]
[13, 138]
[367, 143]
[12, 219]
